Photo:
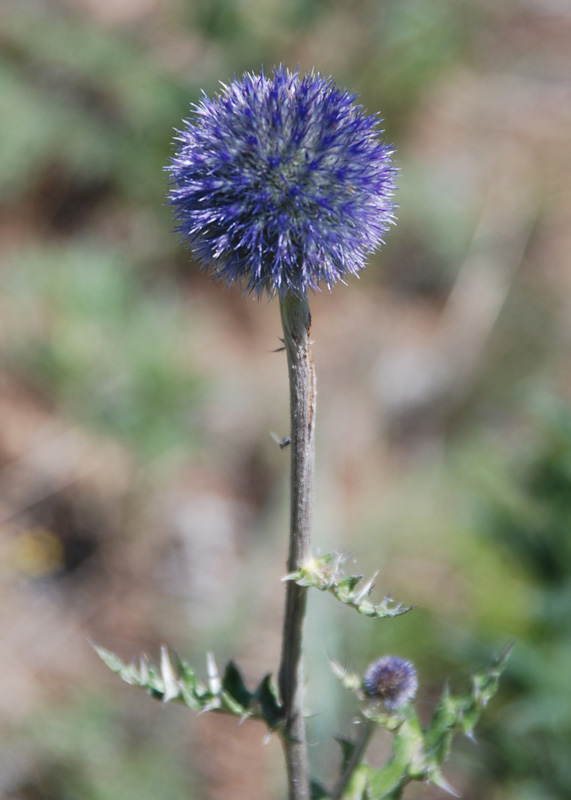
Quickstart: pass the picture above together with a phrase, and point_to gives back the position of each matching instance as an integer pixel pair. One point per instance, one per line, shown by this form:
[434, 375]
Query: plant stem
[355, 760]
[296, 322]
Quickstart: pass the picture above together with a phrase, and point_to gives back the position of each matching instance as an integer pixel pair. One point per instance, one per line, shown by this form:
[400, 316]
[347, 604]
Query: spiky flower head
[392, 680]
[281, 183]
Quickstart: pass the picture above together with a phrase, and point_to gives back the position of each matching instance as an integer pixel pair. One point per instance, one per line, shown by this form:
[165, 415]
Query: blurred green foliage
[87, 100]
[527, 751]
[111, 354]
[94, 750]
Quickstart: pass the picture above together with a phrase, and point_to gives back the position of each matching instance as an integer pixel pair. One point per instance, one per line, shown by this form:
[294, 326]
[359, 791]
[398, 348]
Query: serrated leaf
[326, 574]
[170, 678]
[187, 676]
[271, 710]
[144, 669]
[438, 779]
[179, 683]
[234, 686]
[418, 754]
[365, 590]
[347, 750]
[192, 693]
[214, 682]
[127, 672]
[358, 788]
[349, 582]
[350, 680]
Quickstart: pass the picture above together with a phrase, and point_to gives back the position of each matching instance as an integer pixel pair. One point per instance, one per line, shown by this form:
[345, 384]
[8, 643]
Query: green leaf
[171, 681]
[418, 754]
[347, 750]
[358, 788]
[235, 688]
[266, 697]
[349, 582]
[350, 680]
[114, 663]
[325, 573]
[179, 682]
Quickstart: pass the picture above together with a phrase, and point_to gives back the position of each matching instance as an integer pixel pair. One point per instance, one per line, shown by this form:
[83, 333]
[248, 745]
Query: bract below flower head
[281, 183]
[391, 680]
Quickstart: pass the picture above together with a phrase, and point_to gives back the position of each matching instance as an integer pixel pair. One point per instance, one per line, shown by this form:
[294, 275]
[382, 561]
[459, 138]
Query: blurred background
[142, 498]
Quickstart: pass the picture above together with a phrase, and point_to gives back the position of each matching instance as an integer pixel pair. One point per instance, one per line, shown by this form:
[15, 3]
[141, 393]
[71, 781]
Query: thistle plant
[283, 184]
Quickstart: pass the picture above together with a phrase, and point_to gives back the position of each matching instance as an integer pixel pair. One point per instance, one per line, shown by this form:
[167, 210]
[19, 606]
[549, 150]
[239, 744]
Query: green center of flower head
[285, 179]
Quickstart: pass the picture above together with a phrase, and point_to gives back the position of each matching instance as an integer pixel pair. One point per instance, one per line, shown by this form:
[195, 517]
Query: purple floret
[281, 184]
[392, 680]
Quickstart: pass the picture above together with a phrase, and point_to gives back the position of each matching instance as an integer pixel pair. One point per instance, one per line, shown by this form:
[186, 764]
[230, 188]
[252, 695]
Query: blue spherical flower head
[391, 680]
[281, 183]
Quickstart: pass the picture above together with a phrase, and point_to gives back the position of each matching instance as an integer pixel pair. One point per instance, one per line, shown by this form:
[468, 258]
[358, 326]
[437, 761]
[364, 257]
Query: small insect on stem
[283, 443]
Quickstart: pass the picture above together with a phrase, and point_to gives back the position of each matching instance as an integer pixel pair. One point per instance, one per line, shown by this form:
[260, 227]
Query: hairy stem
[296, 322]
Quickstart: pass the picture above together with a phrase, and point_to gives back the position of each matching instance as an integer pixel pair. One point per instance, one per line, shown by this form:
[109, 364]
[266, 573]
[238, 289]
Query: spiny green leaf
[114, 663]
[347, 750]
[350, 680]
[418, 754]
[326, 574]
[179, 682]
[234, 686]
[358, 788]
[171, 681]
[349, 582]
[271, 710]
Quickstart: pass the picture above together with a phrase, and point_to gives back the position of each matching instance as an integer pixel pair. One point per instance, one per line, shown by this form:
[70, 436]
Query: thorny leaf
[326, 574]
[179, 682]
[418, 753]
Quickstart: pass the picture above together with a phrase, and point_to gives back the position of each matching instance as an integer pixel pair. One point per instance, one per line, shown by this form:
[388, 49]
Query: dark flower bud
[391, 680]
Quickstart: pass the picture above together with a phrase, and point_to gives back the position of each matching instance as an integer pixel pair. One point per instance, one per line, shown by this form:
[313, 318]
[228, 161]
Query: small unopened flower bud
[391, 680]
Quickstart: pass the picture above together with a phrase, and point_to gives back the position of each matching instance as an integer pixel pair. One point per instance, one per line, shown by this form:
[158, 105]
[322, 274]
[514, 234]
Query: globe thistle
[281, 183]
[392, 680]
